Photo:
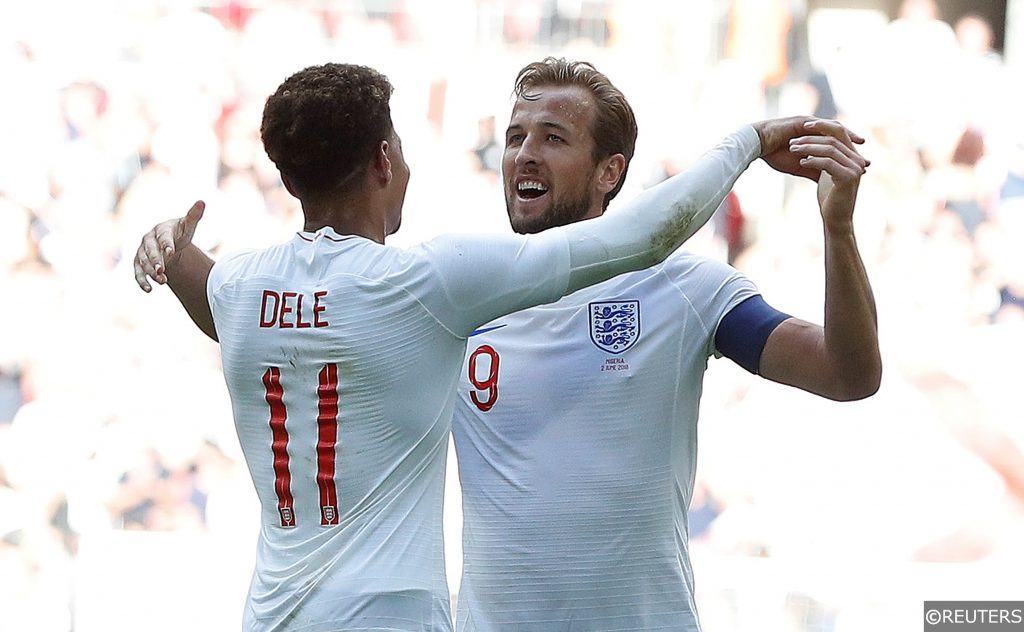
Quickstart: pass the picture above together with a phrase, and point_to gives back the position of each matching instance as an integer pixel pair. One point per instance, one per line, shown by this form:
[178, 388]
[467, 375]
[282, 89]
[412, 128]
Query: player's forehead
[571, 107]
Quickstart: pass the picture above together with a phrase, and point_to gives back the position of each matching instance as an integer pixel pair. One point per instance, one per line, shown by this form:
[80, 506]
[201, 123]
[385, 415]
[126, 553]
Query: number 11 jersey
[341, 358]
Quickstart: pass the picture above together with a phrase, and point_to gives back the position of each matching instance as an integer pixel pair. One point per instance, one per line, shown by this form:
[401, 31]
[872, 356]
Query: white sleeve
[479, 278]
[712, 288]
[223, 271]
[733, 291]
[652, 225]
[484, 278]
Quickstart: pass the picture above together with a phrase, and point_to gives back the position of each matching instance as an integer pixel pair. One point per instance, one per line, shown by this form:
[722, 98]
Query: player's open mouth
[531, 190]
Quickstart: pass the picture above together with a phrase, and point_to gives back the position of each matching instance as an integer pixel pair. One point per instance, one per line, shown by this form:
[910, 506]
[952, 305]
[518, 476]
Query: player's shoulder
[457, 245]
[458, 254]
[241, 264]
[705, 280]
[687, 267]
[418, 260]
[253, 259]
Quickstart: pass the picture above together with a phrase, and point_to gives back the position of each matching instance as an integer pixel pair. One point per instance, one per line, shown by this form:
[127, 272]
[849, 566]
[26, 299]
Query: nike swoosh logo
[484, 330]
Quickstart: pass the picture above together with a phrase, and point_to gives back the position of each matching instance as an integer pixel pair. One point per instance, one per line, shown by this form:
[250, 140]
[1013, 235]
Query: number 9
[490, 384]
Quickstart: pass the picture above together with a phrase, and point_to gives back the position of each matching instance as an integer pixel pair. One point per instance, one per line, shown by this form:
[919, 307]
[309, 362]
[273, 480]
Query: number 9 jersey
[341, 358]
[576, 436]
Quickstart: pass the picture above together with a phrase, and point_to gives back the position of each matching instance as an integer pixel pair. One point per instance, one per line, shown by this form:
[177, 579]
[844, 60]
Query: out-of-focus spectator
[974, 34]
[522, 21]
[758, 37]
[960, 187]
[1013, 186]
[104, 138]
[487, 150]
[917, 52]
[731, 227]
[704, 508]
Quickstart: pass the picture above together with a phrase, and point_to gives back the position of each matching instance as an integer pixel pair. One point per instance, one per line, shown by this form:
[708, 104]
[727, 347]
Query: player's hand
[777, 136]
[837, 184]
[161, 246]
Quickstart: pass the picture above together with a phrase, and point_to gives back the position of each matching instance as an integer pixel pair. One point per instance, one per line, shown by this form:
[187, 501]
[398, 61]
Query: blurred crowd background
[124, 502]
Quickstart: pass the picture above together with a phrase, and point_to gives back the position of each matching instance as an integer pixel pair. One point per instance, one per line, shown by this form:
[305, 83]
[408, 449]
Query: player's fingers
[148, 267]
[839, 172]
[835, 129]
[195, 213]
[191, 220]
[827, 151]
[826, 139]
[848, 151]
[153, 258]
[140, 277]
[151, 249]
[164, 234]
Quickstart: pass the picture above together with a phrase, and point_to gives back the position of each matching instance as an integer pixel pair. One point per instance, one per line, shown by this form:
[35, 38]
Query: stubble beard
[559, 213]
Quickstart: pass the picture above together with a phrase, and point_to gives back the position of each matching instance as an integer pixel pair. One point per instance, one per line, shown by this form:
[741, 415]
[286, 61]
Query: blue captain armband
[743, 331]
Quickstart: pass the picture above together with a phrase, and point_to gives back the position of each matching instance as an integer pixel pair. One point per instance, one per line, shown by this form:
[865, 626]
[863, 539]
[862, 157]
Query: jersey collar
[325, 234]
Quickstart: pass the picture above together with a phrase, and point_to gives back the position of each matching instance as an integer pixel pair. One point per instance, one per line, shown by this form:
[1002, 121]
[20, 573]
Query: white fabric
[652, 225]
[575, 483]
[396, 323]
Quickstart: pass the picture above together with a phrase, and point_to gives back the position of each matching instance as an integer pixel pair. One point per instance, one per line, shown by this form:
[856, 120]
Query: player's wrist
[838, 227]
[761, 128]
[181, 255]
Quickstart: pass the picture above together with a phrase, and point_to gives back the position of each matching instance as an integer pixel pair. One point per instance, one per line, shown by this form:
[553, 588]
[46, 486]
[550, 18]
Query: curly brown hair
[614, 129]
[322, 125]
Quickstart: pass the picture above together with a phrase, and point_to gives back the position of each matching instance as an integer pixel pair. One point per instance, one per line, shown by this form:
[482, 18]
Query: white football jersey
[576, 434]
[341, 358]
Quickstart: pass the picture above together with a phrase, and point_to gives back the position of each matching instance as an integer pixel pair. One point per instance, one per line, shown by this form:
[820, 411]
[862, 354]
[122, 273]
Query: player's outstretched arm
[487, 279]
[841, 360]
[168, 256]
[658, 221]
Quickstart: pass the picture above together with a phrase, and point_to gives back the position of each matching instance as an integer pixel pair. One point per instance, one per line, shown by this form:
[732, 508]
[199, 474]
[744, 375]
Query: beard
[560, 213]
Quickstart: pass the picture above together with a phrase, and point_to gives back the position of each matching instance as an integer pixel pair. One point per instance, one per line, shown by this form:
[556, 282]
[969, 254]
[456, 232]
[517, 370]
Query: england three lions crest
[614, 325]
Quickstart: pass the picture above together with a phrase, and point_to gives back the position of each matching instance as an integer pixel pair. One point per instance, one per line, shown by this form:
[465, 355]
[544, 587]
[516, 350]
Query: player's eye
[555, 138]
[514, 139]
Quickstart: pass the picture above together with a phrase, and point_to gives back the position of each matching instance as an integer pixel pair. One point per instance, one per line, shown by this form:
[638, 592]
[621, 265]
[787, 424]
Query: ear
[609, 172]
[381, 165]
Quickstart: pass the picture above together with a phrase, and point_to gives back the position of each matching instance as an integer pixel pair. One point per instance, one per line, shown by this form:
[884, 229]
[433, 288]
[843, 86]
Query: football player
[342, 354]
[576, 425]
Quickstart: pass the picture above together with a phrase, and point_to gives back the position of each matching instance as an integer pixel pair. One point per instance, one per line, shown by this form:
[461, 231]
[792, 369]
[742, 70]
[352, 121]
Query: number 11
[326, 446]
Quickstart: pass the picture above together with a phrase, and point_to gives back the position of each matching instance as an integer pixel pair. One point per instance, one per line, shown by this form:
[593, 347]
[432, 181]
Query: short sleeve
[712, 289]
[736, 289]
[223, 272]
[745, 329]
[477, 278]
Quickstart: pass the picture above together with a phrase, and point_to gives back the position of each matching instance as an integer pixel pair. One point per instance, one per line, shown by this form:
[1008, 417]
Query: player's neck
[353, 215]
[596, 210]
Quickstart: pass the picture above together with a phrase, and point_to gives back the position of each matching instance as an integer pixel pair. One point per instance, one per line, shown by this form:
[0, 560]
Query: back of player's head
[323, 124]
[614, 130]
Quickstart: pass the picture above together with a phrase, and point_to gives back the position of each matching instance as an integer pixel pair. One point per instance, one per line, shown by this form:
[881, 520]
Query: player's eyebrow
[554, 125]
[516, 127]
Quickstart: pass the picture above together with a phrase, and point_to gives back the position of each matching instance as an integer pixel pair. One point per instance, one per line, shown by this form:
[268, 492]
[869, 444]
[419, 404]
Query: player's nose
[528, 152]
